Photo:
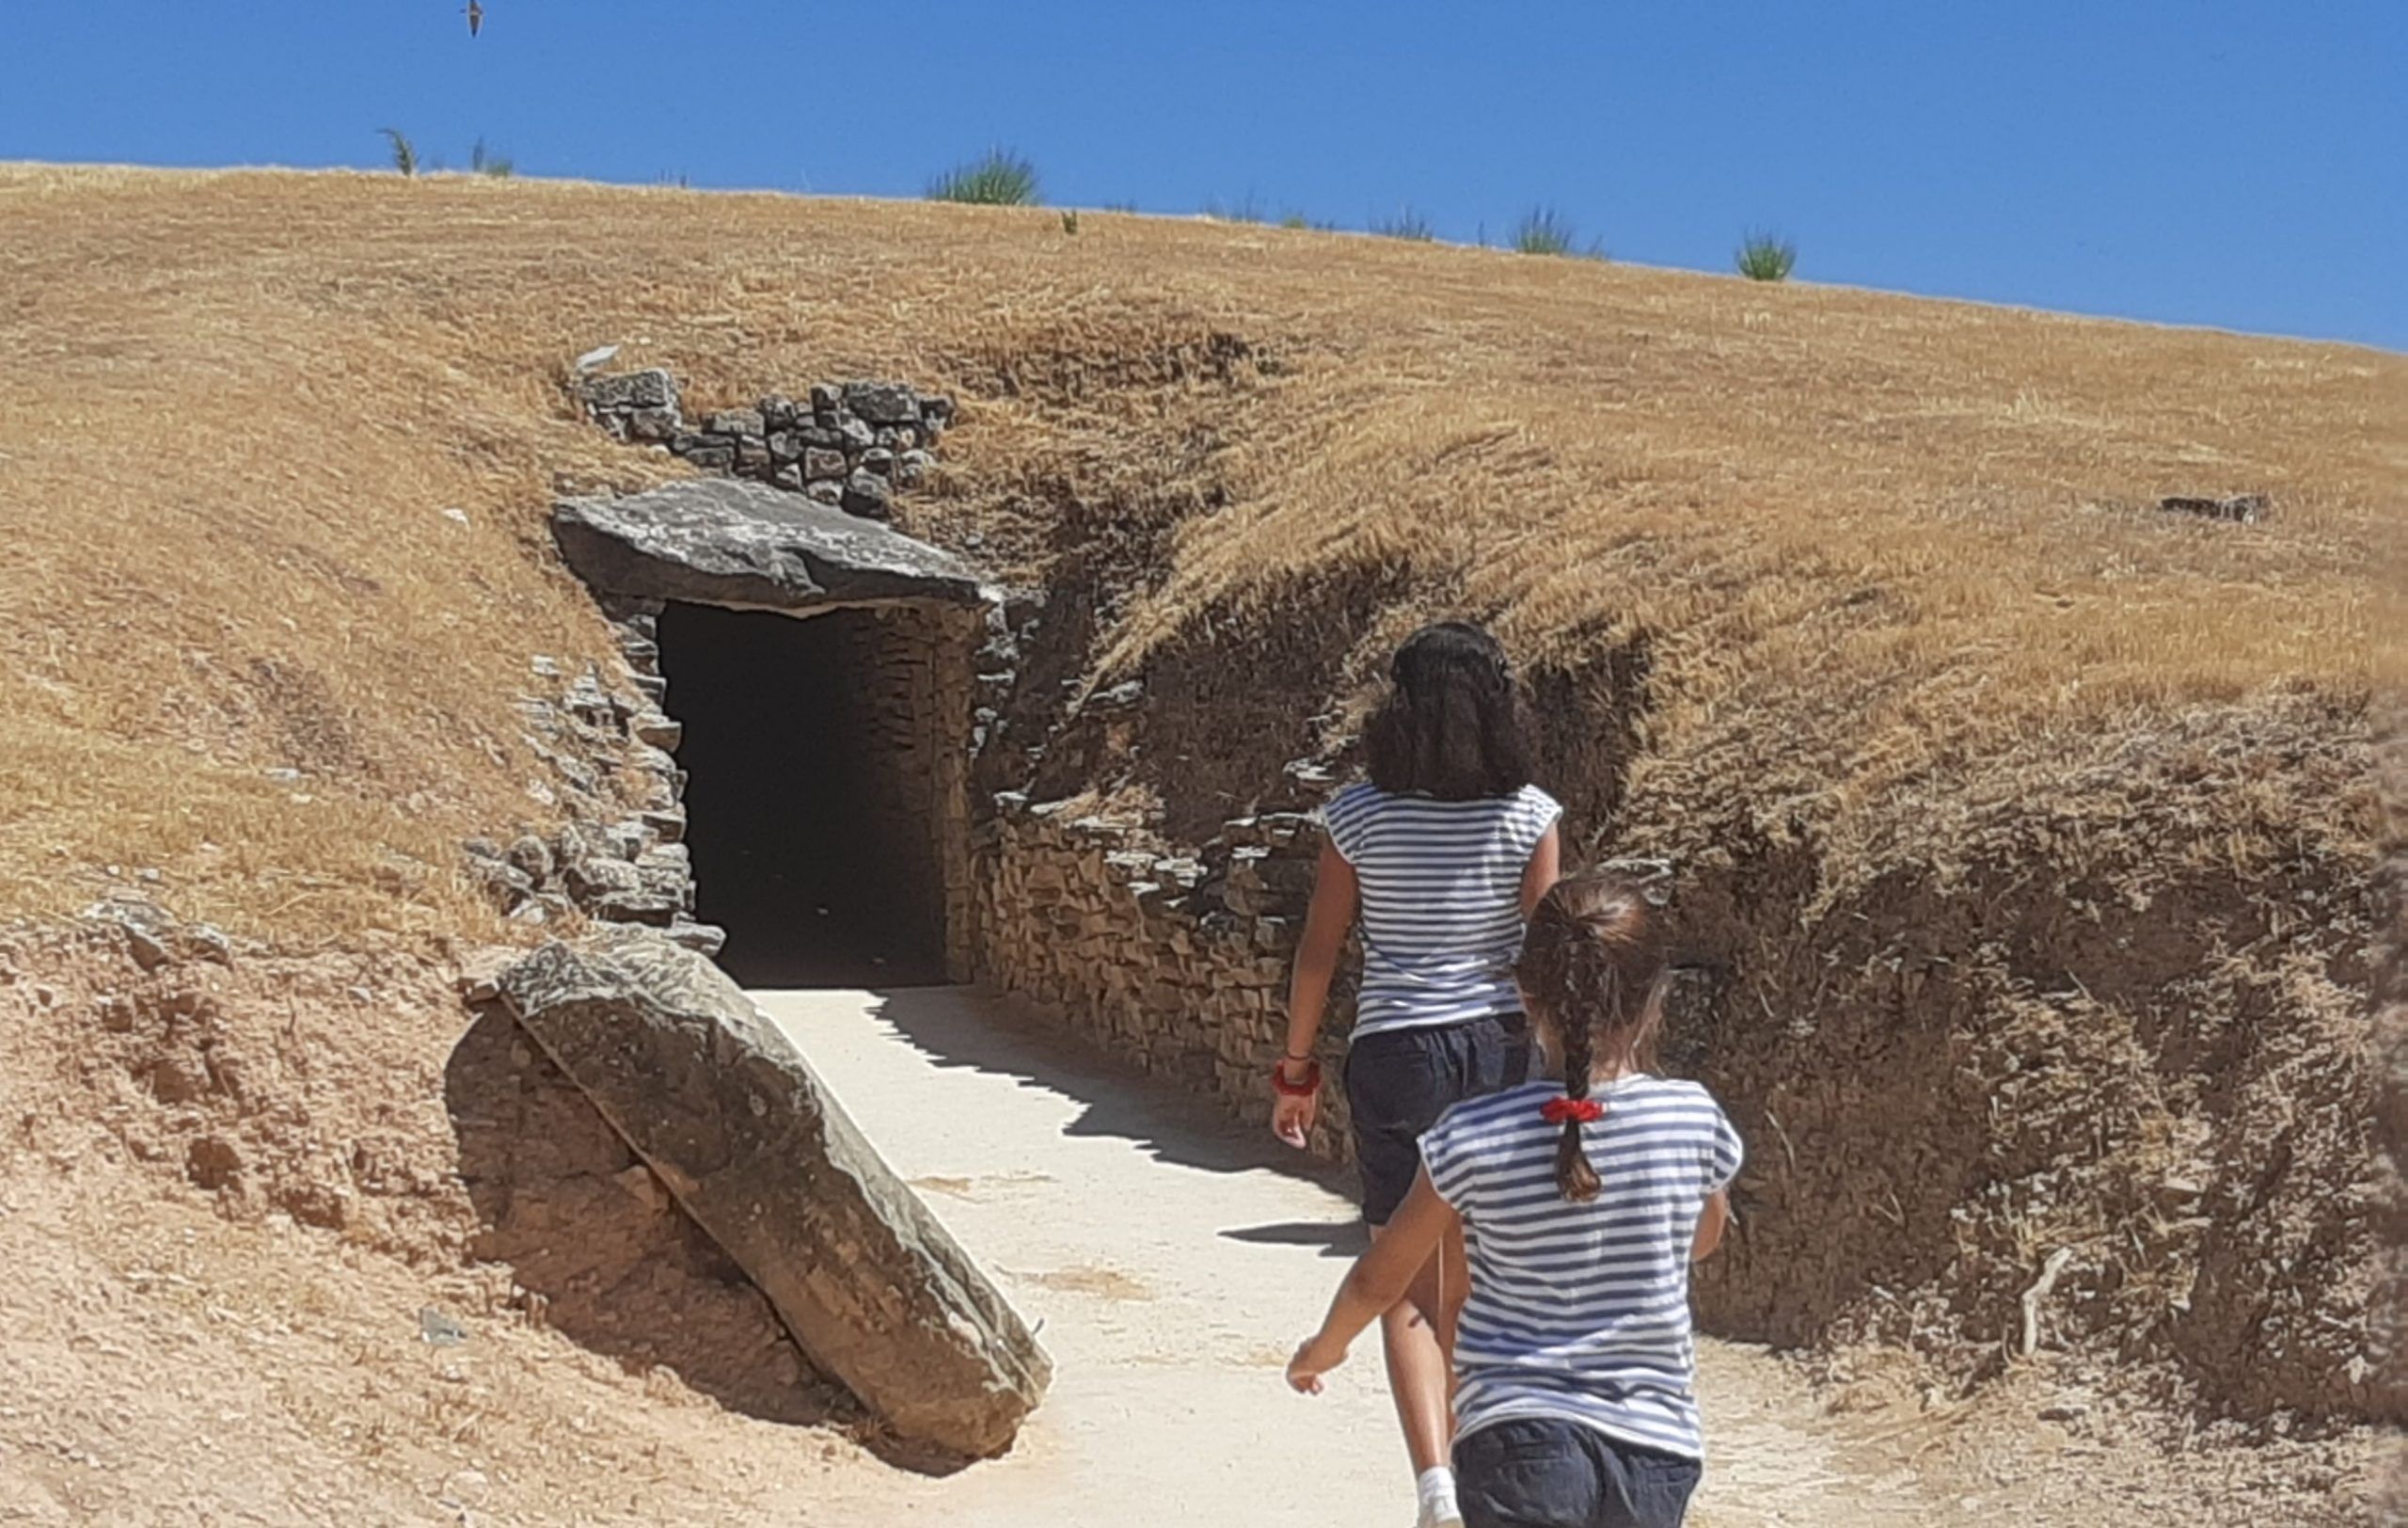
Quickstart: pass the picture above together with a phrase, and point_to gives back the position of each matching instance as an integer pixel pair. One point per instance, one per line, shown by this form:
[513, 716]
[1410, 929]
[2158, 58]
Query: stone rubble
[2241, 509]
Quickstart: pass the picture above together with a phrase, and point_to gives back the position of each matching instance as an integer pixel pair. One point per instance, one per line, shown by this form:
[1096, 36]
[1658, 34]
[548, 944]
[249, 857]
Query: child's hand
[1315, 1357]
[1292, 1118]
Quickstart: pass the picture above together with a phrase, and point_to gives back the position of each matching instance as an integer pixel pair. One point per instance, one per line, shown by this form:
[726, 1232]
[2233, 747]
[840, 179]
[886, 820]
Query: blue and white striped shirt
[1441, 899]
[1581, 1312]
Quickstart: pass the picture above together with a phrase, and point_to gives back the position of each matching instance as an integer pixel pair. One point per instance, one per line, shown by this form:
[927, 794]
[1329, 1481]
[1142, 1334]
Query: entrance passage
[807, 796]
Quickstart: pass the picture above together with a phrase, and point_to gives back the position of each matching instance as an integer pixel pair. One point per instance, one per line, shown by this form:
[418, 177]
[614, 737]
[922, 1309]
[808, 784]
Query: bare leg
[1420, 1375]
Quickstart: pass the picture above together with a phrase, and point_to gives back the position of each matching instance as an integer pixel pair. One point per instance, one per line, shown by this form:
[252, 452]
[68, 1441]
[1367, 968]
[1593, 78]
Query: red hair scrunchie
[1585, 1110]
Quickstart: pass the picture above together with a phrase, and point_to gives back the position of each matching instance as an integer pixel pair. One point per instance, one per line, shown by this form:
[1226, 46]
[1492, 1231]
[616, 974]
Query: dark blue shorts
[1399, 1081]
[1540, 1473]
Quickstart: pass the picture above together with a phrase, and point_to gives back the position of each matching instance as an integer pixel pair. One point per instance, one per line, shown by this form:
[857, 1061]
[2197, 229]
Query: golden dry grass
[1900, 532]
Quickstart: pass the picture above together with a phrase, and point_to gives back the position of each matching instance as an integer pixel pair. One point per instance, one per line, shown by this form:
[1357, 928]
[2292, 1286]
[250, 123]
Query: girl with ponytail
[1575, 1400]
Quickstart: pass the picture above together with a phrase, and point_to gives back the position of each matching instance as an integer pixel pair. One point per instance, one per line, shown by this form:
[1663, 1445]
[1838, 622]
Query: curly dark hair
[1452, 727]
[1593, 972]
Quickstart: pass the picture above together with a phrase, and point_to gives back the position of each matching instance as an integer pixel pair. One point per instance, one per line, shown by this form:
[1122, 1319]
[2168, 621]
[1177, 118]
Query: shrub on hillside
[1404, 223]
[999, 177]
[1543, 230]
[1764, 257]
[404, 153]
[481, 162]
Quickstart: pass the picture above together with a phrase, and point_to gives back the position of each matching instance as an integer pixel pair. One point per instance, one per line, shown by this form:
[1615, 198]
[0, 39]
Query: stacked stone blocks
[618, 855]
[851, 445]
[1175, 963]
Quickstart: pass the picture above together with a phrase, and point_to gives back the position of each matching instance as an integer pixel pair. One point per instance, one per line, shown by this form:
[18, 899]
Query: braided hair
[1592, 974]
[1452, 727]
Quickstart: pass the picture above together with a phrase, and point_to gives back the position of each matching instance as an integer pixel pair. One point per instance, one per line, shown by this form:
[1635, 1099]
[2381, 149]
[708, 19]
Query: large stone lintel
[743, 546]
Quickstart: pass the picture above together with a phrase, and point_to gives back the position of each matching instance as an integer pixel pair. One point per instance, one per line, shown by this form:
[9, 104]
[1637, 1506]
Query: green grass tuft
[1764, 257]
[404, 153]
[482, 161]
[997, 179]
[1543, 230]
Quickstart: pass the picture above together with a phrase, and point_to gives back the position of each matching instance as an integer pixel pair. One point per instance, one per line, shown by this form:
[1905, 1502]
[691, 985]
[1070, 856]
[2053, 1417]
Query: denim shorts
[1543, 1472]
[1399, 1081]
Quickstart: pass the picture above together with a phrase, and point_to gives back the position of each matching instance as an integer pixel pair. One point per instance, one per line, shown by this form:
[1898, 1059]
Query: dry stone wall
[603, 739]
[849, 445]
[618, 854]
[1173, 962]
[909, 711]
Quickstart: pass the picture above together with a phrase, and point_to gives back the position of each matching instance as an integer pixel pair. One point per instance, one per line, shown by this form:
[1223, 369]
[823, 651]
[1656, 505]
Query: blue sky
[2189, 161]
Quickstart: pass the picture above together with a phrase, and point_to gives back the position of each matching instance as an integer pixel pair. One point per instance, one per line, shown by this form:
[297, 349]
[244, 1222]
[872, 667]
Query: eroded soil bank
[183, 1355]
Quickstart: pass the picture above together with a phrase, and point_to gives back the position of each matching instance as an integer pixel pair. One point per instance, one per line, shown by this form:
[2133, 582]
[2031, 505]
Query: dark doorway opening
[806, 812]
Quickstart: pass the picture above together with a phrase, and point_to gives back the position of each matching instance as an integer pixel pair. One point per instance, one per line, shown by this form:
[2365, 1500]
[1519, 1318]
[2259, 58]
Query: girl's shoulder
[1348, 808]
[1482, 1130]
[1353, 796]
[1533, 803]
[1655, 1087]
[1671, 1108]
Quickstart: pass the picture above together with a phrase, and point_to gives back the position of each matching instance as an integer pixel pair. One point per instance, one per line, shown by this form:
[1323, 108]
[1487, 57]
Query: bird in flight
[476, 14]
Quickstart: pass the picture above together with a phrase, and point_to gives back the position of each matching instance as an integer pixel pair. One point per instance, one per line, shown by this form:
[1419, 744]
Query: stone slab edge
[741, 546]
[730, 1115]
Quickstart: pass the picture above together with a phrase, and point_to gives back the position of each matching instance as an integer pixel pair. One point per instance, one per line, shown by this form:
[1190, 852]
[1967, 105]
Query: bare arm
[1378, 1279]
[1710, 1222]
[1543, 870]
[1329, 917]
[1326, 921]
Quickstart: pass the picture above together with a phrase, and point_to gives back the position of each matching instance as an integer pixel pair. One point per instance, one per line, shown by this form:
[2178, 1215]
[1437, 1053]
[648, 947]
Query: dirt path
[1172, 1260]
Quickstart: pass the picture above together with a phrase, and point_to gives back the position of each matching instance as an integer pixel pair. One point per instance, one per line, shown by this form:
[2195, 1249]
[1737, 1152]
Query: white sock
[1436, 1490]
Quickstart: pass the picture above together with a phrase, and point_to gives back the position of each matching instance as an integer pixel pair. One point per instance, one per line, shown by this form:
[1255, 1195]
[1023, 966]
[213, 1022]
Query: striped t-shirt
[1441, 899]
[1581, 1312]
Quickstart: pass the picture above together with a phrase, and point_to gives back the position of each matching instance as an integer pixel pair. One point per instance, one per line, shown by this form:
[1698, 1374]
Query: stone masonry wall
[618, 854]
[913, 712]
[606, 743]
[849, 445]
[1176, 965]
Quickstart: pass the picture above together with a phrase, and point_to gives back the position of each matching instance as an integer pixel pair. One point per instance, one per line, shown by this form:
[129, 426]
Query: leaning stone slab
[746, 545]
[730, 1116]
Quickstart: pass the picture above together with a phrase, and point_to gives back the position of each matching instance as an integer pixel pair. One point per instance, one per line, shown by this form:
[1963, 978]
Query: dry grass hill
[1872, 543]
[2007, 791]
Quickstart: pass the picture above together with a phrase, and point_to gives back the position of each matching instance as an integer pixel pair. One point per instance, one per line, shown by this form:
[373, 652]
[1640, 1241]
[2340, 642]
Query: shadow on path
[1346, 1239]
[987, 1032]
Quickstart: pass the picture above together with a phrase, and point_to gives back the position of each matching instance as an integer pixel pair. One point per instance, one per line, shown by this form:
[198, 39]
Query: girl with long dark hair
[1440, 855]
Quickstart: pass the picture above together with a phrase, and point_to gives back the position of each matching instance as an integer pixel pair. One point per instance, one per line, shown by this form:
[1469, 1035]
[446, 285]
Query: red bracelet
[1307, 1088]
